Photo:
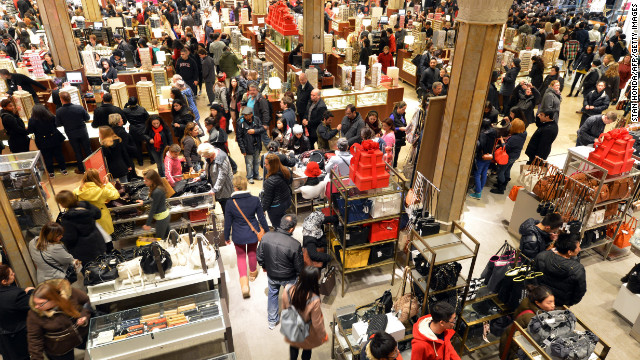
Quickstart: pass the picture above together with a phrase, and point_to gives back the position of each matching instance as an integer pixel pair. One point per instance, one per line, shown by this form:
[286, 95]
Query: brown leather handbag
[620, 189]
[260, 233]
[406, 304]
[61, 342]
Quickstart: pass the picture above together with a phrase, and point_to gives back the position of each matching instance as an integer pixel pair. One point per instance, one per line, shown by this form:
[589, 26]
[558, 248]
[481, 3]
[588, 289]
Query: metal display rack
[467, 317]
[349, 192]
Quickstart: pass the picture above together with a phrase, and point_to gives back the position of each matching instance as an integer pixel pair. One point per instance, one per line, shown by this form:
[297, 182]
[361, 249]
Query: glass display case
[178, 325]
[337, 99]
[408, 67]
[285, 43]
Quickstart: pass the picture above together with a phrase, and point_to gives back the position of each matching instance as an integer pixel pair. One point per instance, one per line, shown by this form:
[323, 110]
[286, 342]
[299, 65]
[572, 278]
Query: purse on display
[208, 252]
[358, 209]
[406, 305]
[627, 229]
[445, 276]
[150, 256]
[386, 205]
[497, 266]
[103, 269]
[356, 235]
[551, 323]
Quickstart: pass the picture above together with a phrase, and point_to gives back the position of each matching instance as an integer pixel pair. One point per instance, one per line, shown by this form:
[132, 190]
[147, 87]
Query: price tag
[261, 20]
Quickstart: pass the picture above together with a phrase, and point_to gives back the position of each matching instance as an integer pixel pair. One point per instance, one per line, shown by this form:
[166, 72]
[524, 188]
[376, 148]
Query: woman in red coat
[386, 59]
[625, 71]
[392, 41]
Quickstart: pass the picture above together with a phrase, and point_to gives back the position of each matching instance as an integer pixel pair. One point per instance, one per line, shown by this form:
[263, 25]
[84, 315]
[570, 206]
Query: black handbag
[102, 270]
[427, 226]
[380, 253]
[328, 282]
[148, 260]
[70, 274]
[356, 235]
[445, 276]
[179, 187]
[377, 322]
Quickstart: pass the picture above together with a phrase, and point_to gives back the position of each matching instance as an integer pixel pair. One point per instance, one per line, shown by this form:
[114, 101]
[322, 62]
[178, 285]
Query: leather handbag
[61, 342]
[260, 233]
[328, 282]
[102, 269]
[149, 260]
[208, 252]
[620, 189]
[627, 229]
[445, 275]
[500, 155]
[308, 261]
[70, 274]
[406, 305]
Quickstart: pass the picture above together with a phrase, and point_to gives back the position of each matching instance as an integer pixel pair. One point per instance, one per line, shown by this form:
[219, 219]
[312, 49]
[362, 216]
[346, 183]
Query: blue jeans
[252, 161]
[265, 138]
[482, 166]
[504, 173]
[273, 306]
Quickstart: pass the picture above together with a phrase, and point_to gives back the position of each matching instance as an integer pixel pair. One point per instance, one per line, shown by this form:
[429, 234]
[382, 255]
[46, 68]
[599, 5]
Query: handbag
[101, 270]
[148, 260]
[70, 274]
[551, 323]
[627, 229]
[208, 251]
[386, 205]
[167, 188]
[500, 155]
[445, 275]
[378, 322]
[574, 346]
[61, 342]
[406, 305]
[328, 282]
[292, 325]
[260, 233]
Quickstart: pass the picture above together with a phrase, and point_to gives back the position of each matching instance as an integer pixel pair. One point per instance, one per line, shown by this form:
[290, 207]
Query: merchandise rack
[473, 344]
[349, 192]
[577, 163]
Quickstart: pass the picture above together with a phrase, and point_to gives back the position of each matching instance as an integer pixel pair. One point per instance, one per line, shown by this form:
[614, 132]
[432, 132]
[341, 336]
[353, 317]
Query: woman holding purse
[513, 146]
[244, 220]
[49, 255]
[14, 306]
[98, 192]
[158, 209]
[58, 321]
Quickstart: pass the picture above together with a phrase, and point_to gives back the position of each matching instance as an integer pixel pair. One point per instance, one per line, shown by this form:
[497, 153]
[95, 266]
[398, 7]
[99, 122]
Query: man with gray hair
[281, 256]
[593, 127]
[313, 115]
[340, 161]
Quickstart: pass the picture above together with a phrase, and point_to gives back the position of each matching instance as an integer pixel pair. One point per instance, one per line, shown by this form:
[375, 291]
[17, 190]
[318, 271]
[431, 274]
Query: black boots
[625, 278]
[499, 188]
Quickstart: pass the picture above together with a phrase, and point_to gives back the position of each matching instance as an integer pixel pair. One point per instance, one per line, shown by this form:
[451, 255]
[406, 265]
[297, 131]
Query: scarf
[312, 225]
[157, 138]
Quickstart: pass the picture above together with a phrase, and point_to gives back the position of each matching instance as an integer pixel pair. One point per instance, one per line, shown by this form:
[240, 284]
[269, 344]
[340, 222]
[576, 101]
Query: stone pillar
[395, 4]
[91, 9]
[313, 29]
[259, 7]
[58, 28]
[475, 52]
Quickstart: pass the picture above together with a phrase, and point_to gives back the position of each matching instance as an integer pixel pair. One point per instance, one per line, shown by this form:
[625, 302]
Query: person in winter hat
[313, 173]
[432, 334]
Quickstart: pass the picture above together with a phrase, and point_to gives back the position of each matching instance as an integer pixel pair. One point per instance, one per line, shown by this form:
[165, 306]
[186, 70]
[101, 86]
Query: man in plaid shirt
[571, 48]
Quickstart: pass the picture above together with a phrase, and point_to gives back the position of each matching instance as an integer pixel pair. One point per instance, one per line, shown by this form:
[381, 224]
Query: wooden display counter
[333, 60]
[405, 56]
[277, 56]
[394, 94]
[340, 29]
[257, 45]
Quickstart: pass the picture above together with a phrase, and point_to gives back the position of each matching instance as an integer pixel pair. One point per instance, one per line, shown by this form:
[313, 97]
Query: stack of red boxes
[281, 19]
[614, 151]
[367, 170]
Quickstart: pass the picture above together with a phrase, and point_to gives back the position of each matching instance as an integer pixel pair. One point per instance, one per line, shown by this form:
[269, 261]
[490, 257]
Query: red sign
[96, 161]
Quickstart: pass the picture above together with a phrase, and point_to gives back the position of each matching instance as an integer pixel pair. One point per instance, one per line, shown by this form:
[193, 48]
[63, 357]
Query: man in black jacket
[313, 115]
[14, 126]
[123, 46]
[593, 127]
[304, 95]
[594, 102]
[554, 74]
[187, 68]
[429, 76]
[537, 236]
[26, 83]
[248, 135]
[73, 118]
[562, 273]
[102, 112]
[352, 123]
[261, 109]
[281, 256]
[543, 138]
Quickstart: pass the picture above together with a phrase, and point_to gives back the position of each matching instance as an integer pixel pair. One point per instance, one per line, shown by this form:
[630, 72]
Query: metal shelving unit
[473, 344]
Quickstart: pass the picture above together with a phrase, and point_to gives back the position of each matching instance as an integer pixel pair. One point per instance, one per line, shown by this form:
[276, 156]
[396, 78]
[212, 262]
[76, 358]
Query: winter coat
[386, 60]
[486, 141]
[526, 103]
[549, 78]
[426, 345]
[398, 122]
[189, 96]
[182, 118]
[208, 70]
[276, 191]
[73, 118]
[428, 77]
[289, 116]
[340, 163]
[565, 278]
[25, 82]
[590, 80]
[351, 129]
[190, 151]
[219, 174]
[613, 86]
[137, 117]
[17, 132]
[521, 319]
[117, 158]
[280, 255]
[81, 236]
[533, 240]
[98, 197]
[299, 145]
[316, 117]
[235, 226]
[583, 62]
[172, 169]
[536, 75]
[262, 110]
[216, 49]
[542, 139]
[40, 322]
[599, 101]
[514, 145]
[325, 133]
[551, 102]
[249, 143]
[127, 141]
[220, 96]
[509, 81]
[46, 134]
[590, 130]
[229, 64]
[311, 314]
[14, 305]
[304, 97]
[165, 135]
[365, 52]
[492, 115]
[54, 254]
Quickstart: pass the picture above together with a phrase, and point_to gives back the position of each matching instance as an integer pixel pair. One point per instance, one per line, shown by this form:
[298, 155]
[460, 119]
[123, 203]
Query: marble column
[91, 9]
[480, 24]
[59, 33]
[259, 7]
[313, 29]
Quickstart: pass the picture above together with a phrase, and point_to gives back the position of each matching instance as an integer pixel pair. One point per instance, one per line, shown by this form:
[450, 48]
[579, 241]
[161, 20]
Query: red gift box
[366, 154]
[367, 169]
[370, 182]
[384, 230]
[614, 151]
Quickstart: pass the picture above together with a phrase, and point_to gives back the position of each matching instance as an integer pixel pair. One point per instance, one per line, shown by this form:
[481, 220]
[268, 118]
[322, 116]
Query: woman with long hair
[49, 255]
[611, 78]
[624, 71]
[182, 115]
[241, 214]
[55, 308]
[158, 137]
[373, 122]
[14, 306]
[48, 138]
[234, 98]
[275, 201]
[303, 296]
[513, 146]
[48, 65]
[537, 71]
[157, 199]
[98, 192]
[400, 122]
[115, 153]
[190, 142]
[138, 118]
[109, 73]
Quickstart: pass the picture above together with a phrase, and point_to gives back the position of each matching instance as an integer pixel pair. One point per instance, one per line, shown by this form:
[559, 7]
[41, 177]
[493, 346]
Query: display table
[524, 208]
[407, 71]
[380, 99]
[627, 304]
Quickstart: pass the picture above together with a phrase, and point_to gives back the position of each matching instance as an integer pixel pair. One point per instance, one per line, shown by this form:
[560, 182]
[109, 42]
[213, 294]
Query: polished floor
[482, 218]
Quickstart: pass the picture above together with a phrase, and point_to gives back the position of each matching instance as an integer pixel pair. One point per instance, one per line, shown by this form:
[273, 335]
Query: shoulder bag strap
[48, 263]
[245, 218]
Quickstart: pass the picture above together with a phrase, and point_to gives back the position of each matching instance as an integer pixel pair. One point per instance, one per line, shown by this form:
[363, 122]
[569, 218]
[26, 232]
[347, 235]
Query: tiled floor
[483, 219]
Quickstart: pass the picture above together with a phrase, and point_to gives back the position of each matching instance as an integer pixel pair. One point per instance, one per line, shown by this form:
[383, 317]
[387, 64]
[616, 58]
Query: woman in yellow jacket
[97, 193]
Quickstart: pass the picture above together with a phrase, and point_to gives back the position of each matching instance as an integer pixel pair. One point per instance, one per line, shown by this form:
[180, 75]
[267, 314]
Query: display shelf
[604, 223]
[343, 332]
[362, 246]
[602, 242]
[172, 210]
[497, 310]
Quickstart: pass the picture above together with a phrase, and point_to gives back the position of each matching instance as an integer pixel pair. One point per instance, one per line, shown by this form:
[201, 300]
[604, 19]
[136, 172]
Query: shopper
[484, 147]
[304, 297]
[48, 138]
[190, 142]
[15, 80]
[235, 92]
[98, 192]
[56, 307]
[314, 238]
[352, 123]
[432, 334]
[172, 164]
[554, 74]
[14, 306]
[509, 84]
[158, 137]
[594, 126]
[81, 237]
[14, 126]
[365, 52]
[379, 346]
[49, 255]
[552, 99]
[582, 66]
[281, 256]
[386, 59]
[138, 118]
[539, 300]
[277, 189]
[109, 73]
[261, 110]
[429, 76]
[537, 71]
[400, 122]
[157, 202]
[543, 138]
[562, 271]
[513, 145]
[389, 136]
[624, 72]
[324, 131]
[243, 218]
[313, 116]
[73, 118]
[189, 97]
[115, 154]
[590, 79]
[182, 116]
[339, 163]
[249, 135]
[208, 73]
[217, 172]
[373, 122]
[595, 102]
[611, 78]
[304, 96]
[187, 68]
[216, 49]
[538, 236]
[298, 142]
[220, 96]
[116, 123]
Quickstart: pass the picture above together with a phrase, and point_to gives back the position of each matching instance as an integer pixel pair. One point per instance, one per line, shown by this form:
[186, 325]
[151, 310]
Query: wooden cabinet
[407, 69]
[277, 56]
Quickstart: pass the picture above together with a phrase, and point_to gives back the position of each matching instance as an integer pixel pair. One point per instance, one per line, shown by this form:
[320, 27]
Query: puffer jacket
[276, 191]
[280, 255]
[426, 345]
[54, 254]
[565, 278]
[599, 101]
[40, 323]
[98, 197]
[551, 102]
[533, 240]
[81, 236]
